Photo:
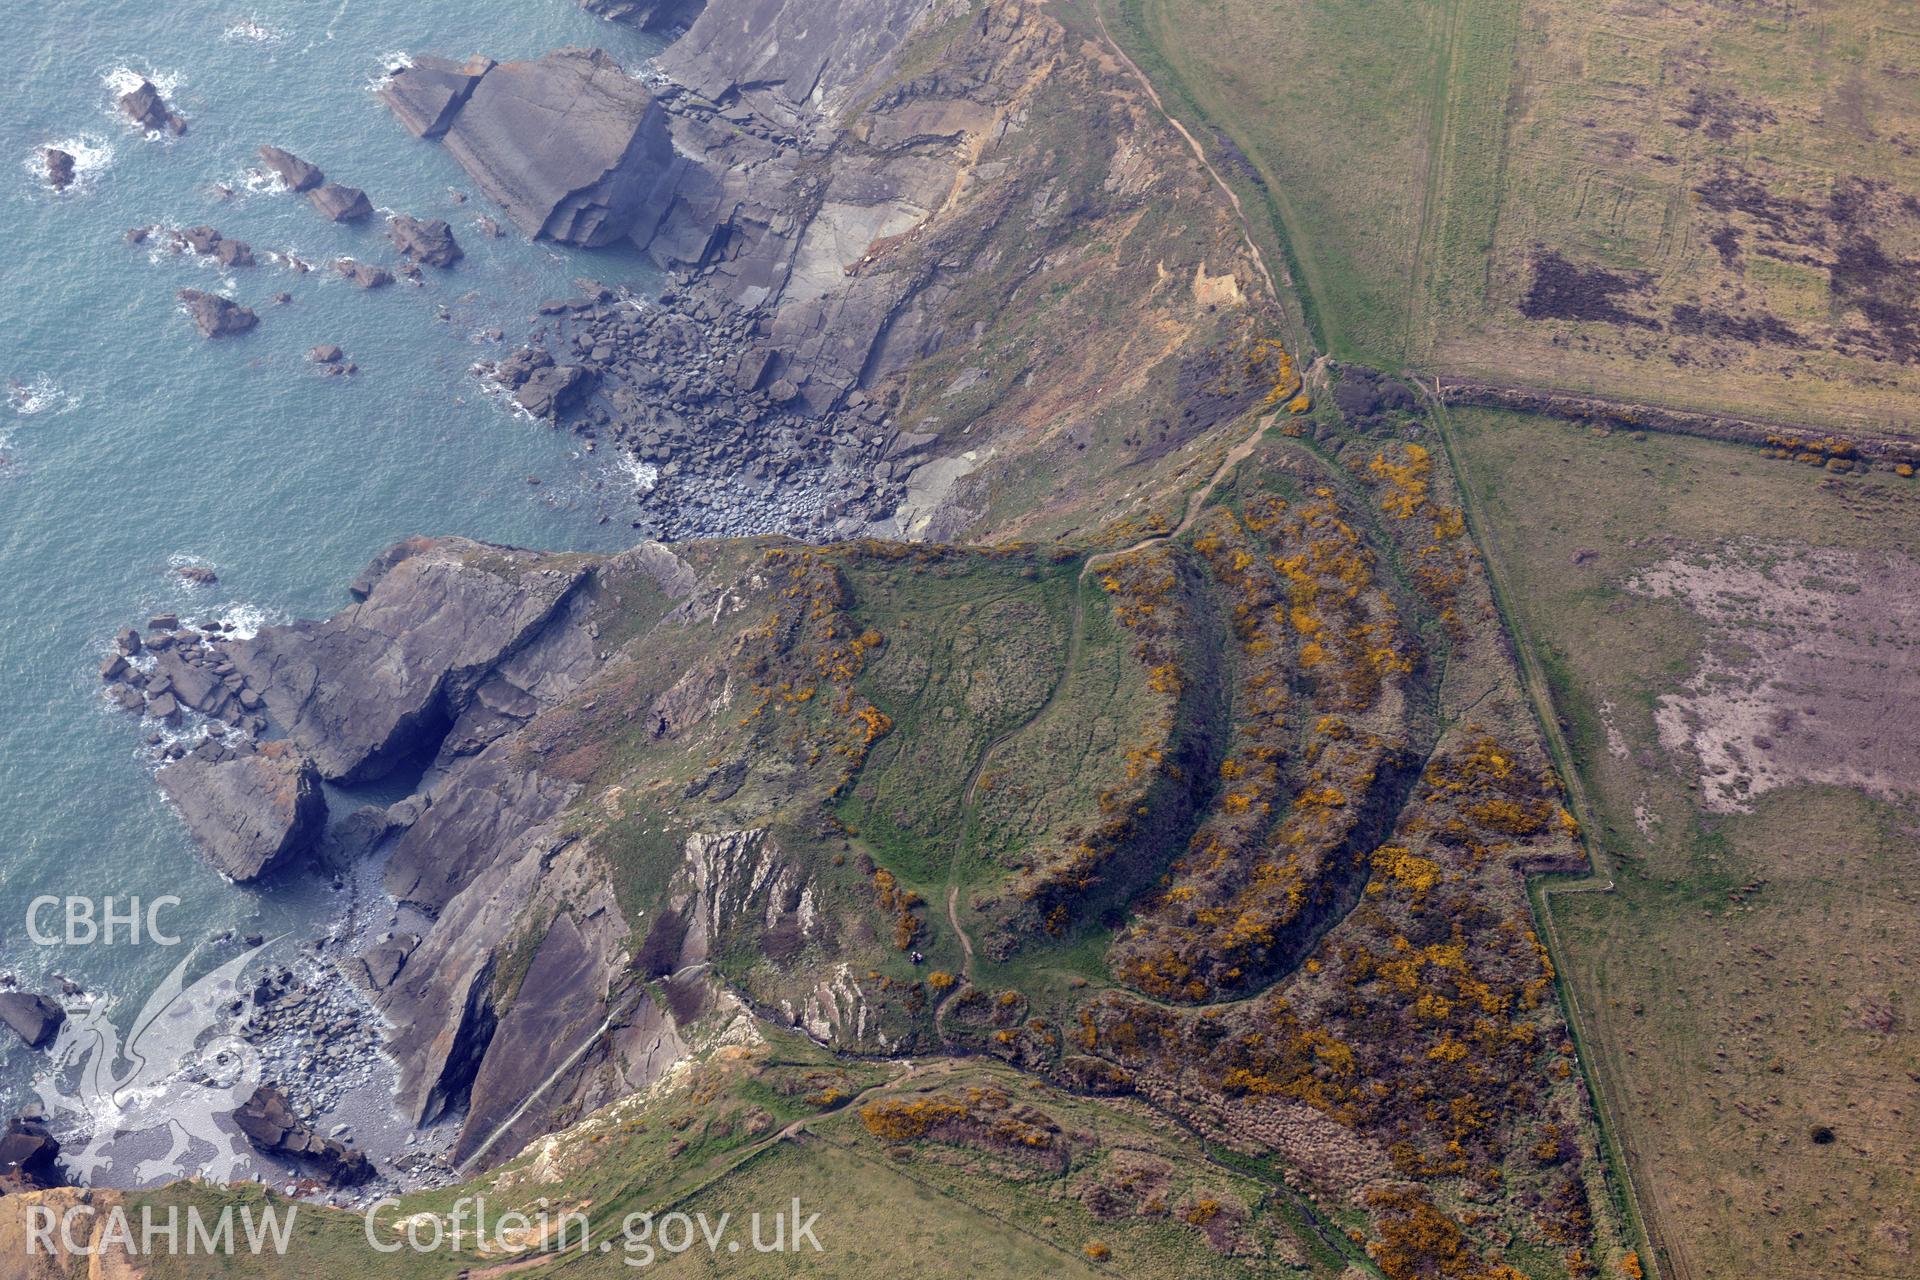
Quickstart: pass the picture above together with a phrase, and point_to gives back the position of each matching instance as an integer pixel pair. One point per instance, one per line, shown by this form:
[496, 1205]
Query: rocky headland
[876, 231]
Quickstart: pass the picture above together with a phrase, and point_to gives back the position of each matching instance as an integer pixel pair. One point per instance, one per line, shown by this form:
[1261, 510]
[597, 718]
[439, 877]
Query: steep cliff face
[380, 683]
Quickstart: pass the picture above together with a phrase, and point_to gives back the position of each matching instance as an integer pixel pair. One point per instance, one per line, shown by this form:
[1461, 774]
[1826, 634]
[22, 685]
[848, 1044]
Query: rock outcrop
[455, 652]
[60, 168]
[292, 170]
[146, 108]
[338, 203]
[363, 274]
[29, 1157]
[272, 1127]
[542, 387]
[428, 92]
[34, 1018]
[430, 243]
[836, 231]
[215, 316]
[210, 243]
[381, 682]
[570, 146]
[252, 812]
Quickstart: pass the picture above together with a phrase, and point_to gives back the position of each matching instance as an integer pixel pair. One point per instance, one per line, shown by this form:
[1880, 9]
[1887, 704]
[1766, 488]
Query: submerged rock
[251, 813]
[59, 168]
[271, 1126]
[215, 316]
[295, 172]
[339, 203]
[431, 242]
[34, 1018]
[146, 108]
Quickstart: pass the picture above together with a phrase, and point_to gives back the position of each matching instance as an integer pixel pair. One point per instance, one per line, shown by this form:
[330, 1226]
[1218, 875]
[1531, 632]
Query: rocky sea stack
[215, 316]
[338, 203]
[34, 1018]
[430, 242]
[252, 810]
[292, 170]
[146, 108]
[60, 168]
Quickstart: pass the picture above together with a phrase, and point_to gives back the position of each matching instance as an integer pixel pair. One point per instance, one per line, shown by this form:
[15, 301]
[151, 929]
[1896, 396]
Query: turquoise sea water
[131, 444]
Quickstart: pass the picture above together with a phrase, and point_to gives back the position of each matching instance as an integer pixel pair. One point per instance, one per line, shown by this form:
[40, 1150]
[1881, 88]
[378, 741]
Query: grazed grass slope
[1705, 205]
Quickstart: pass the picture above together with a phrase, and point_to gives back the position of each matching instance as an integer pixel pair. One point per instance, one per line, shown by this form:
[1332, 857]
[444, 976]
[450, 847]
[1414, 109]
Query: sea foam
[92, 156]
[390, 64]
[643, 475]
[242, 621]
[252, 31]
[122, 79]
[41, 395]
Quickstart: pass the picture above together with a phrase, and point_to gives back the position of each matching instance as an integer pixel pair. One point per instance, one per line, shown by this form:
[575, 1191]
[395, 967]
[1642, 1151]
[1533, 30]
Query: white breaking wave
[42, 395]
[252, 31]
[261, 182]
[92, 156]
[398, 60]
[498, 393]
[243, 621]
[644, 475]
[123, 79]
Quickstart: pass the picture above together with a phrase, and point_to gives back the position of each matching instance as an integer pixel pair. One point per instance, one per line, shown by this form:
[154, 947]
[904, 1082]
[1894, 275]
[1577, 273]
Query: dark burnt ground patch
[1726, 242]
[1371, 401]
[1211, 385]
[1706, 322]
[1866, 278]
[1787, 219]
[1854, 235]
[1564, 290]
[1722, 114]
